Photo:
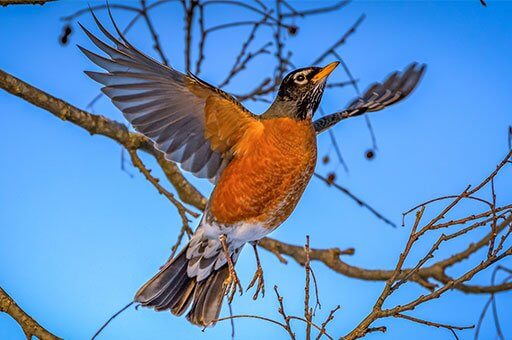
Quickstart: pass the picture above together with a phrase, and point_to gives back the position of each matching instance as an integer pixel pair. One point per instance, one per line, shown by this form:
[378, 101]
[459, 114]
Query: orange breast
[273, 163]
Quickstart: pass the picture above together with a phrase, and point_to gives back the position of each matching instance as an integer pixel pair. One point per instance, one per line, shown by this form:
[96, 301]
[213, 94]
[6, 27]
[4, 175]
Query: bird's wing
[378, 96]
[190, 121]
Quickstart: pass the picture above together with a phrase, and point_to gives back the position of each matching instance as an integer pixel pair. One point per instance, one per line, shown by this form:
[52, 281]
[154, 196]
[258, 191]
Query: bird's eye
[300, 79]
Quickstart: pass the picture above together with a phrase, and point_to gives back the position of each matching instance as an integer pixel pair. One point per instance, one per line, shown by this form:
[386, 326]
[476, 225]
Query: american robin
[260, 164]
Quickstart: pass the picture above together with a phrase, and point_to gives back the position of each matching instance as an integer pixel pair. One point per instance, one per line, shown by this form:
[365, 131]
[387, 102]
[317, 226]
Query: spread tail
[172, 288]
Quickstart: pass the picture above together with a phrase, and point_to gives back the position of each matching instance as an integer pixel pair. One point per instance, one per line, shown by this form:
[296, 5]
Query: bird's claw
[232, 282]
[258, 277]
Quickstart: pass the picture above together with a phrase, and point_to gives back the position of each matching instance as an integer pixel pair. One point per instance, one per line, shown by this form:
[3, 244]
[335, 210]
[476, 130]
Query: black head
[301, 90]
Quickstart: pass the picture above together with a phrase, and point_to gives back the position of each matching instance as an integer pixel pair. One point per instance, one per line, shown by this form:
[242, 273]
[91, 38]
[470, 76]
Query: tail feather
[173, 289]
[208, 301]
[212, 301]
[186, 299]
[154, 292]
[172, 295]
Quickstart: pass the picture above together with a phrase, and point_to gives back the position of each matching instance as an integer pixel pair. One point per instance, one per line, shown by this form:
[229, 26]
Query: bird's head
[302, 89]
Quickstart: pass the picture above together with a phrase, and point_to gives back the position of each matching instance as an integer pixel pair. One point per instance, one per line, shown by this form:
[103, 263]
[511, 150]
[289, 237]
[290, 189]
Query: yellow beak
[324, 72]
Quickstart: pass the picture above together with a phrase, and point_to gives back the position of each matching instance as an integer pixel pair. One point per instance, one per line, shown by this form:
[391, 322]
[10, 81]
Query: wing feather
[190, 121]
[378, 96]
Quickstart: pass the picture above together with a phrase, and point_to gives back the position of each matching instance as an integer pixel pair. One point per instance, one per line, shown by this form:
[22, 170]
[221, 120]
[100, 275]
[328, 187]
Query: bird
[260, 164]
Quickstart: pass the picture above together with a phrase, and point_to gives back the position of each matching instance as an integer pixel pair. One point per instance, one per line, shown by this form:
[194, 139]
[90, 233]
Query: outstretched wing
[189, 120]
[378, 96]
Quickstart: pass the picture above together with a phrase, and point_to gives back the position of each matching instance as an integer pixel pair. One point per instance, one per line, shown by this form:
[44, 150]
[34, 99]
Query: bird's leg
[258, 275]
[232, 283]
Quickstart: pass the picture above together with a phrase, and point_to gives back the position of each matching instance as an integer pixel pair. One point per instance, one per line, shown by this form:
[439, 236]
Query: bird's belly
[262, 185]
[237, 234]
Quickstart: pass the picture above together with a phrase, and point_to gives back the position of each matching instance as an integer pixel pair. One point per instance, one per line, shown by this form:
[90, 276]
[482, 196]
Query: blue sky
[79, 236]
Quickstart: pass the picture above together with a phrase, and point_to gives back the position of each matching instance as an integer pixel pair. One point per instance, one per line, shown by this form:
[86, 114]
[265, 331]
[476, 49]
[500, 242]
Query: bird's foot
[232, 283]
[260, 287]
[258, 275]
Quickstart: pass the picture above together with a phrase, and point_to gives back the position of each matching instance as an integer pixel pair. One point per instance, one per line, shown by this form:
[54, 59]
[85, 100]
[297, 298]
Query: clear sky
[79, 236]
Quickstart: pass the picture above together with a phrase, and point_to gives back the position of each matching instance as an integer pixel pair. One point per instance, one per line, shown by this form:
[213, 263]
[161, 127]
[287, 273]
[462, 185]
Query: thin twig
[307, 310]
[494, 220]
[189, 21]
[156, 40]
[329, 318]
[433, 324]
[356, 199]
[509, 137]
[321, 10]
[341, 41]
[492, 301]
[238, 64]
[99, 7]
[281, 311]
[137, 162]
[110, 319]
[182, 210]
[355, 85]
[334, 143]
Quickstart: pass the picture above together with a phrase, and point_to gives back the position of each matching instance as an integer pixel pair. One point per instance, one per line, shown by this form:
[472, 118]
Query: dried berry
[292, 29]
[331, 177]
[370, 154]
[66, 32]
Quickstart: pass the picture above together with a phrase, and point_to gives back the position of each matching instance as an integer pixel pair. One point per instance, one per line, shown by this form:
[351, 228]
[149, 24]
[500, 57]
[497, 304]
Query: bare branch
[492, 301]
[321, 10]
[433, 324]
[156, 40]
[5, 3]
[509, 137]
[243, 5]
[98, 7]
[308, 313]
[137, 162]
[202, 40]
[356, 199]
[189, 21]
[341, 41]
[96, 124]
[240, 63]
[29, 326]
[334, 143]
[281, 311]
[377, 311]
[330, 317]
[115, 315]
[182, 210]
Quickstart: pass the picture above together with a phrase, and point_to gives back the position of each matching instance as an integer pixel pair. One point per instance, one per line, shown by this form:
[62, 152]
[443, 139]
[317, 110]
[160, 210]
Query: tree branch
[5, 3]
[97, 124]
[156, 40]
[29, 326]
[355, 198]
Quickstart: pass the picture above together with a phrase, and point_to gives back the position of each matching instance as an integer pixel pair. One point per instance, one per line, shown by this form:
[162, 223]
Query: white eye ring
[300, 79]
